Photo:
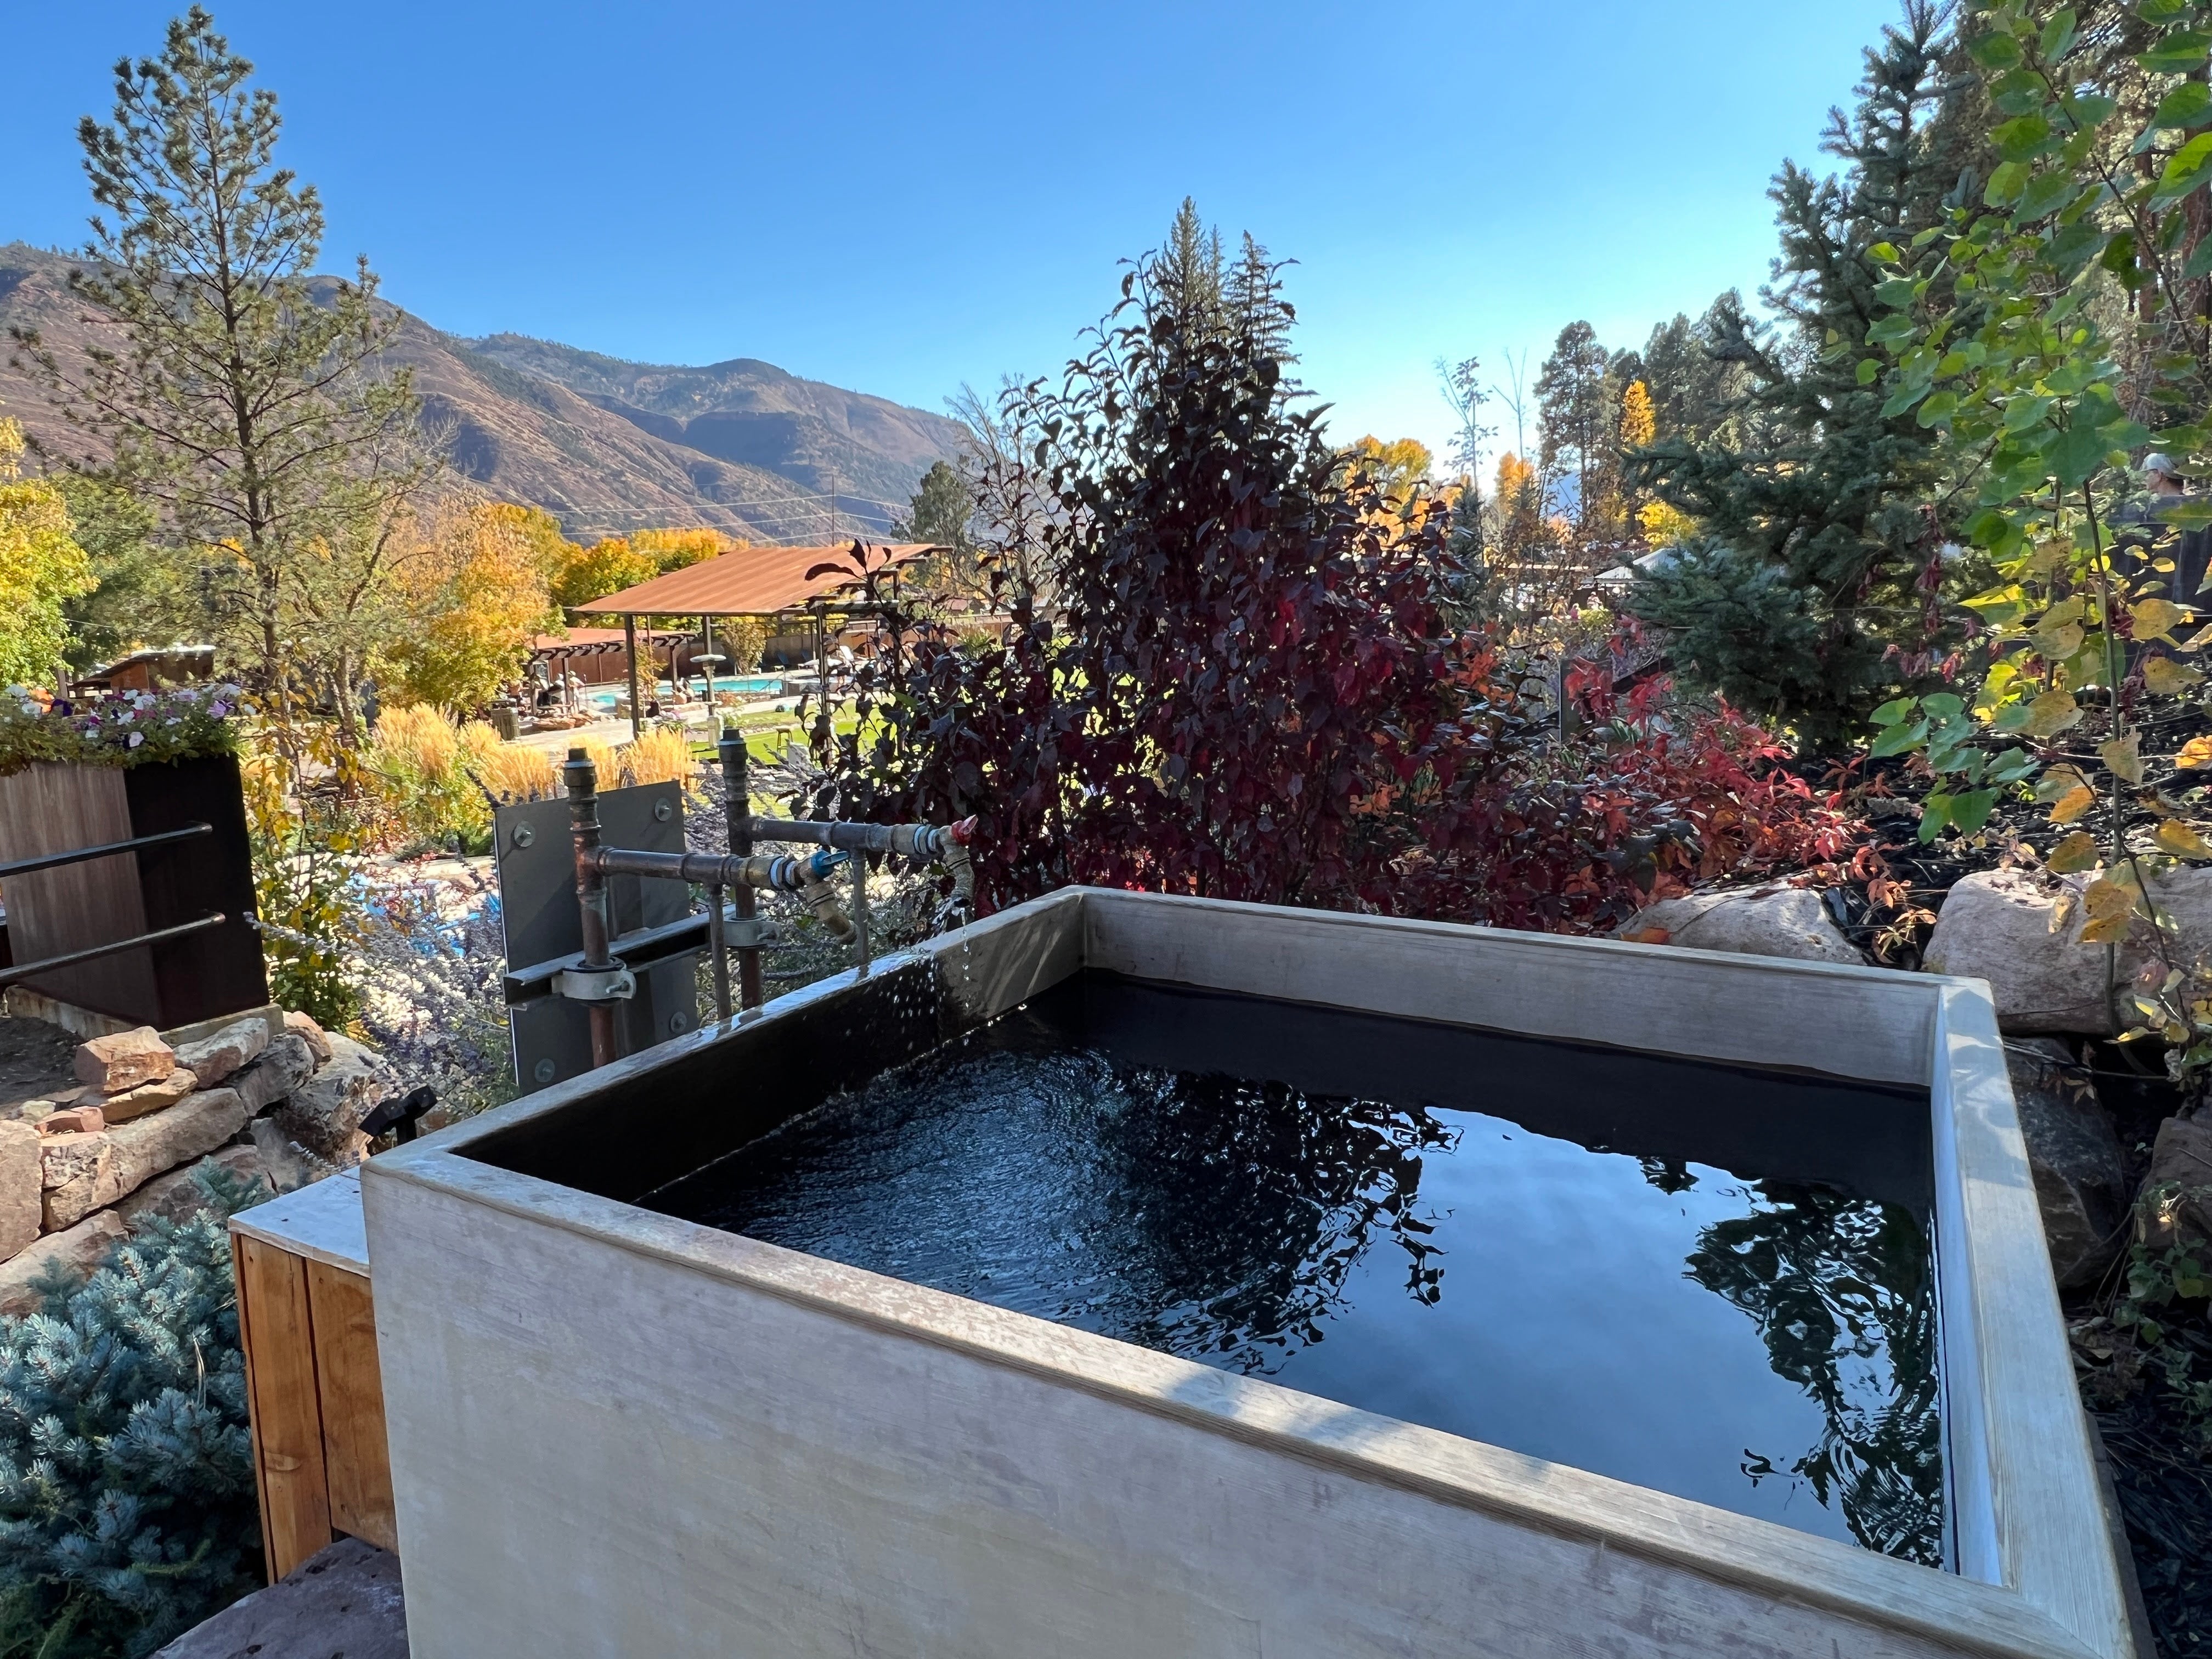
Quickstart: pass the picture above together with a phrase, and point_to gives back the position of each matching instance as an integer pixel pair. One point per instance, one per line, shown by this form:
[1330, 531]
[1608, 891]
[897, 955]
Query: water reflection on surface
[1754, 1340]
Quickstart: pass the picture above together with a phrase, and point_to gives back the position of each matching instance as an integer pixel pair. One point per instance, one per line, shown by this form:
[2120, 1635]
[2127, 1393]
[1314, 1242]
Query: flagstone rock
[124, 1059]
[213, 1059]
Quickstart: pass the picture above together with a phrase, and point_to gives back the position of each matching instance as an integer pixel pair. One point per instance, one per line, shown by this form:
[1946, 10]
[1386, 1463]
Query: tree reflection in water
[1249, 1204]
[1840, 1290]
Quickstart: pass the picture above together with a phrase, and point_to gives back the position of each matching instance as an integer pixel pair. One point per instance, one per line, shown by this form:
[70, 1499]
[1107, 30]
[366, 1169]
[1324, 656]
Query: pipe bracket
[595, 984]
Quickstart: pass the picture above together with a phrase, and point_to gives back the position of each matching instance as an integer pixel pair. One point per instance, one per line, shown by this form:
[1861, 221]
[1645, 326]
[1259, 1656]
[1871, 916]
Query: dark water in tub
[1712, 1281]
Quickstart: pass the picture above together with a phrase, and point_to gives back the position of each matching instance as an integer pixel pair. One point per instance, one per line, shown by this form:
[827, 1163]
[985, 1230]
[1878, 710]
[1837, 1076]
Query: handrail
[12, 975]
[106, 849]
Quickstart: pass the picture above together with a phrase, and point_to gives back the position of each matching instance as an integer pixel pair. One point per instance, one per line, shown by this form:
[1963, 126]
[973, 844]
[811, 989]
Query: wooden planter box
[51, 808]
[617, 1430]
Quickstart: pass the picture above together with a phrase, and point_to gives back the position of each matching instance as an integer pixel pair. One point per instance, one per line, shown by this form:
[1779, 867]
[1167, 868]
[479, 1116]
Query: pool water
[1713, 1281]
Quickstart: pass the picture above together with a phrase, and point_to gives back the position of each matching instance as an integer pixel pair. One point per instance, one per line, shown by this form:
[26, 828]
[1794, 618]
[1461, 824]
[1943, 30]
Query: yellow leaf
[2156, 618]
[2077, 852]
[2107, 899]
[2121, 756]
[2197, 753]
[2166, 678]
[2197, 640]
[2108, 930]
[2073, 804]
[2058, 643]
[2176, 837]
[2052, 713]
[2058, 782]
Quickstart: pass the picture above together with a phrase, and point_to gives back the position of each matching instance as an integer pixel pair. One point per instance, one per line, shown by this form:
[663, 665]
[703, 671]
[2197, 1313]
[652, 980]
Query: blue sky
[901, 197]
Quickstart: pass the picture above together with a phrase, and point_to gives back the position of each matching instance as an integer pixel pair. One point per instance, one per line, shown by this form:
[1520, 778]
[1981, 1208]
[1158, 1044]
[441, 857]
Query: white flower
[137, 738]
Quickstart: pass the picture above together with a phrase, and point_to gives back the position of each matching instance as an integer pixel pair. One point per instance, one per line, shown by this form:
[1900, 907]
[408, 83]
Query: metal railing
[16, 975]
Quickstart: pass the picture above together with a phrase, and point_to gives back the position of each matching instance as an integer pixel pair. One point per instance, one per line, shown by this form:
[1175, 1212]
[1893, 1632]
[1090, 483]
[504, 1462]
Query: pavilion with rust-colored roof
[765, 582]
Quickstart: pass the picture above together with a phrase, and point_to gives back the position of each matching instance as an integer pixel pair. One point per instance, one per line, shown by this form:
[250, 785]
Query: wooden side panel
[277, 1328]
[50, 809]
[351, 1390]
[219, 971]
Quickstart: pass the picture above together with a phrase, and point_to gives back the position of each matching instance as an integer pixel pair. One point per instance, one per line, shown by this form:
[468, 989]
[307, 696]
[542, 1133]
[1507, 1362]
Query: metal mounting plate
[551, 1035]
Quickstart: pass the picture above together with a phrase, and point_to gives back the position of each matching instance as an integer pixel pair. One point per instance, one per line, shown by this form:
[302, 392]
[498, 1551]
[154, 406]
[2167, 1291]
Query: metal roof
[753, 581]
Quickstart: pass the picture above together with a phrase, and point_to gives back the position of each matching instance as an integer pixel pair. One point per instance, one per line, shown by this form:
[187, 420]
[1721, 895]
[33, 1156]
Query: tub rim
[2036, 1569]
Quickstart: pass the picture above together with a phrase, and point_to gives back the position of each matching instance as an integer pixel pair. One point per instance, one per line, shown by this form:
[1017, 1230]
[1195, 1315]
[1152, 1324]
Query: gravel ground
[33, 1056]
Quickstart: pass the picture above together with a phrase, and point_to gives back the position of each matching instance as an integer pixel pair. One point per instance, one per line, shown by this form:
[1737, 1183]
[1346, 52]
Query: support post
[860, 914]
[581, 780]
[629, 652]
[718, 945]
[707, 659]
[738, 814]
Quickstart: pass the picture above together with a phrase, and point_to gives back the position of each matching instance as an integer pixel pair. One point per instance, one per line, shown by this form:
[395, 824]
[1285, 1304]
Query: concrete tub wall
[616, 1433]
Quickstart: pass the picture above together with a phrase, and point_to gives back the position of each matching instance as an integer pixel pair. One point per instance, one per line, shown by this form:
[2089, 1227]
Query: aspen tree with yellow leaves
[40, 566]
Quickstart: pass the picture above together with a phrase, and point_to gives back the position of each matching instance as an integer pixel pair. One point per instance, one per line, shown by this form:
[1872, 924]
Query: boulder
[77, 1250]
[84, 1173]
[1775, 919]
[1997, 925]
[23, 1211]
[2177, 1192]
[304, 1027]
[124, 1059]
[325, 1113]
[179, 1196]
[345, 1603]
[213, 1059]
[286, 1164]
[150, 1096]
[283, 1067]
[2081, 1176]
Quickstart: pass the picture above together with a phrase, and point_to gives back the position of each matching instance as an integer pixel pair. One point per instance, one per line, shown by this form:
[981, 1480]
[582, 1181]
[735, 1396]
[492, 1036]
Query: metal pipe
[581, 780]
[861, 917]
[914, 840]
[738, 815]
[717, 943]
[105, 849]
[781, 871]
[629, 649]
[14, 975]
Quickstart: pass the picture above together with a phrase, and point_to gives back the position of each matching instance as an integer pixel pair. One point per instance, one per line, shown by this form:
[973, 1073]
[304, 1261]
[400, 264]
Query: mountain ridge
[605, 445]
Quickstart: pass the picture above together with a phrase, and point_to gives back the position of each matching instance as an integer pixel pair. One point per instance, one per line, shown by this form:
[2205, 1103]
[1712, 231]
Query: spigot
[822, 899]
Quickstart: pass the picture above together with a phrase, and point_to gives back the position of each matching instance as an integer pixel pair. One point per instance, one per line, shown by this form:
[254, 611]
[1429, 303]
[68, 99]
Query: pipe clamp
[595, 984]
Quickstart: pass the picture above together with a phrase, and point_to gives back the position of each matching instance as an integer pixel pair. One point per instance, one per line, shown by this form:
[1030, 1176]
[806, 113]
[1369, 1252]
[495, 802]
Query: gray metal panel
[539, 922]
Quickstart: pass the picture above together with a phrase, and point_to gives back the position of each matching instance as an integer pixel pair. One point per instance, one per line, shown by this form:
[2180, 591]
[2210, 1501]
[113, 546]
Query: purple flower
[218, 709]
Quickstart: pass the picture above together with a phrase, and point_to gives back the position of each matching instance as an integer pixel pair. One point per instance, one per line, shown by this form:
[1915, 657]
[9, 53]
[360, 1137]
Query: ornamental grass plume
[661, 755]
[509, 771]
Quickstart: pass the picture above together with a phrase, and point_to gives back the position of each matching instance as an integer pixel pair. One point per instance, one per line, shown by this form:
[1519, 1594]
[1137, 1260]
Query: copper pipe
[581, 780]
[738, 814]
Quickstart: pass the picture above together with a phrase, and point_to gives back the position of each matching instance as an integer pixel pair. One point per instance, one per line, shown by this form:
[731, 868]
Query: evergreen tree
[1570, 398]
[941, 511]
[127, 1509]
[1696, 391]
[1811, 594]
[247, 400]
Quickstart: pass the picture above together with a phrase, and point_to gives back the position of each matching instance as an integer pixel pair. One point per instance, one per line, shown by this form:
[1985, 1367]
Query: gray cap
[2159, 461]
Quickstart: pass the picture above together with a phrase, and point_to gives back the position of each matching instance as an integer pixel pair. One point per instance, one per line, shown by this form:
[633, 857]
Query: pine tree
[1570, 397]
[1811, 594]
[127, 1507]
[248, 399]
